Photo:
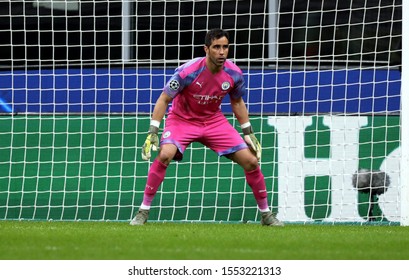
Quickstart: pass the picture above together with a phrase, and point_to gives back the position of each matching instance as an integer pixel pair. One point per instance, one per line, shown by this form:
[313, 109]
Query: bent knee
[167, 153]
[251, 164]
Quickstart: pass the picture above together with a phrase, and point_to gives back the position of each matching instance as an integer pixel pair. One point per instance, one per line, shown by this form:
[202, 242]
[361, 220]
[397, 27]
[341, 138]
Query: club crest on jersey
[174, 85]
[225, 86]
[166, 134]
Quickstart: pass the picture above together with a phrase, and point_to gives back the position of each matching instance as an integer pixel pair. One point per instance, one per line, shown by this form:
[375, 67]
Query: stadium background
[71, 141]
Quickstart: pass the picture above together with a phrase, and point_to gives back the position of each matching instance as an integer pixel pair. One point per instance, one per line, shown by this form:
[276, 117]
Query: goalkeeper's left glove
[251, 140]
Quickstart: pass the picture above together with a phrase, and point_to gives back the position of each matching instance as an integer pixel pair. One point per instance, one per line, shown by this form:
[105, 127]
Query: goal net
[79, 79]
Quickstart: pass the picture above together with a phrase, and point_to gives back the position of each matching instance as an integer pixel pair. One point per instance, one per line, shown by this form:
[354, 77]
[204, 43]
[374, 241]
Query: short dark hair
[215, 34]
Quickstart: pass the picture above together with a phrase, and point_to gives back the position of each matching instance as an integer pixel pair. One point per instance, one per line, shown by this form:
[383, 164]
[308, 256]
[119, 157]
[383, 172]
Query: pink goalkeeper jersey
[198, 93]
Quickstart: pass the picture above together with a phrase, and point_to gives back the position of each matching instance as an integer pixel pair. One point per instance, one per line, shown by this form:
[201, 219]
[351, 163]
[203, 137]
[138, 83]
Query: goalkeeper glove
[151, 142]
[251, 140]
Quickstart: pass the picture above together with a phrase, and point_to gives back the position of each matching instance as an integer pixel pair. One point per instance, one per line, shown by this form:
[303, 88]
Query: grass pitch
[41, 240]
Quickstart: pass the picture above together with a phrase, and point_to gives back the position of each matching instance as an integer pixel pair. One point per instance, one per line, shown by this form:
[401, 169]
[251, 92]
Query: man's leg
[255, 179]
[236, 149]
[156, 175]
[254, 176]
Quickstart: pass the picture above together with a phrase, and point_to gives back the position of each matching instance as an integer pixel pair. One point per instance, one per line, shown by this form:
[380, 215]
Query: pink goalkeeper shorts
[219, 135]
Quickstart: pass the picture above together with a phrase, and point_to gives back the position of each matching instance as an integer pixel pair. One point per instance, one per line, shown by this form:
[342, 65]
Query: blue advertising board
[135, 90]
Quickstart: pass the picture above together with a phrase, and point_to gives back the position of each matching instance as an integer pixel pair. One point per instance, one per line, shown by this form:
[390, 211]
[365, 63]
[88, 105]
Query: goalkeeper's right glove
[151, 142]
[251, 140]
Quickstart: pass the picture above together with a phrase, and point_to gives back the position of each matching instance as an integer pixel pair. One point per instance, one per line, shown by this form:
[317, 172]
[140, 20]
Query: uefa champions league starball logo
[174, 85]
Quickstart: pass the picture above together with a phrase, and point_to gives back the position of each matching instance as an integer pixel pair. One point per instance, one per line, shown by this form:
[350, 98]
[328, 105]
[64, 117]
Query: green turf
[31, 240]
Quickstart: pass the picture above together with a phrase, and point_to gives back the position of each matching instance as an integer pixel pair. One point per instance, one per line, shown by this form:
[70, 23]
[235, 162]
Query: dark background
[325, 31]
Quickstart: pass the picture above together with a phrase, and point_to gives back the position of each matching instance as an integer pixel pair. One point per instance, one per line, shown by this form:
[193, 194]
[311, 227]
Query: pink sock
[156, 175]
[255, 179]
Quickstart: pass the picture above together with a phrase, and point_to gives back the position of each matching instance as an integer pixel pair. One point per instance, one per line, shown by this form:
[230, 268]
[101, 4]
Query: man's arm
[152, 140]
[160, 107]
[240, 111]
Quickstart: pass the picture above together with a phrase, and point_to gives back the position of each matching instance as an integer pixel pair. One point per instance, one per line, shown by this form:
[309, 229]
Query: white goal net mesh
[79, 79]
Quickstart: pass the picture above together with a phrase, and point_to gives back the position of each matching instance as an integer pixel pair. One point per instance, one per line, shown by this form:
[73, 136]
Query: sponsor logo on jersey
[207, 99]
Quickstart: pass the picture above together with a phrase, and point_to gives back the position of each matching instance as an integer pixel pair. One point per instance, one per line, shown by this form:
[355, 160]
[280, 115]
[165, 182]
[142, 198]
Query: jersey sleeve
[239, 89]
[182, 77]
[175, 84]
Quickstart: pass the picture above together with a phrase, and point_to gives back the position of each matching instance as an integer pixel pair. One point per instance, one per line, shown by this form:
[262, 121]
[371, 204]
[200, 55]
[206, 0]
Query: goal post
[325, 79]
[405, 117]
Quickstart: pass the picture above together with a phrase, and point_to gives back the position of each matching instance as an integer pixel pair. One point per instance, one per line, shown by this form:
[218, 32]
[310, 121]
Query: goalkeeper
[195, 91]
